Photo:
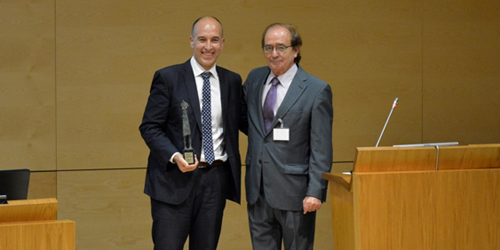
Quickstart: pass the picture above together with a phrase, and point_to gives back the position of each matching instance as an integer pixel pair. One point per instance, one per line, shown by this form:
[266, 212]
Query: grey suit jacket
[289, 170]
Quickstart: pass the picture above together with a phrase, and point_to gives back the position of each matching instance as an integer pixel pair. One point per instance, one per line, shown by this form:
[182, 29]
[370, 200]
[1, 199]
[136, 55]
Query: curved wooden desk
[32, 225]
[396, 199]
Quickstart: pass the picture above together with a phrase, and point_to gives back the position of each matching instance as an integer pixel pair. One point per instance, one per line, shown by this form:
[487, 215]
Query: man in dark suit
[204, 100]
[290, 117]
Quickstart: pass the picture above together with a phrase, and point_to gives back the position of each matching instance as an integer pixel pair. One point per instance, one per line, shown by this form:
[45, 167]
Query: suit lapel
[260, 112]
[297, 87]
[224, 96]
[190, 84]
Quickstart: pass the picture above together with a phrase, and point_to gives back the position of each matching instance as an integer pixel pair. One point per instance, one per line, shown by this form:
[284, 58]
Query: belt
[206, 165]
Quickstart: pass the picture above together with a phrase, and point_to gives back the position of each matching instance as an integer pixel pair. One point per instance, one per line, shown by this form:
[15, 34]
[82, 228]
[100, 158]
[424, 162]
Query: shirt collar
[198, 69]
[287, 77]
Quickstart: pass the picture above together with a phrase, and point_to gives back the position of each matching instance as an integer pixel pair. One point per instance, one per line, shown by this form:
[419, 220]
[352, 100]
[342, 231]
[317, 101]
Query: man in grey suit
[290, 117]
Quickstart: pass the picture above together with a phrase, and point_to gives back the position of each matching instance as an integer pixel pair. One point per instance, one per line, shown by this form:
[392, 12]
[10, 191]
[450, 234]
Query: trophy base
[189, 157]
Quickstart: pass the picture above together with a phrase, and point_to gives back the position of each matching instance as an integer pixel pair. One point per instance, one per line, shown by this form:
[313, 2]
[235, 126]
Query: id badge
[281, 134]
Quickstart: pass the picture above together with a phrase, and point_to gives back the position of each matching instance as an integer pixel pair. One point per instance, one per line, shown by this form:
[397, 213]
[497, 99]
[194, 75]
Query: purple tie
[269, 104]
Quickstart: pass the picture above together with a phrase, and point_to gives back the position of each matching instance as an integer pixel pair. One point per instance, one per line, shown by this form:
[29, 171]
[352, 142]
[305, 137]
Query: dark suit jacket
[292, 169]
[161, 129]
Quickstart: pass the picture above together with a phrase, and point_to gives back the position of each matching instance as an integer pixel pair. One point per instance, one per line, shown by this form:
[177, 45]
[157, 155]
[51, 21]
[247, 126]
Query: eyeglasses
[268, 49]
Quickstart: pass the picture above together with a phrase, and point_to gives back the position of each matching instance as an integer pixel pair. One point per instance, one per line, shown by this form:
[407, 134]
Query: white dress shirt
[216, 109]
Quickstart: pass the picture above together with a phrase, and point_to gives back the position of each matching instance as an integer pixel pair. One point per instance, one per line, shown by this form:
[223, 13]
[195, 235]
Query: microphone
[394, 104]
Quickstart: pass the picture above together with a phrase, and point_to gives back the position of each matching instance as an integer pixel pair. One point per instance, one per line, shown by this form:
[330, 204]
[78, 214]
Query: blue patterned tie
[269, 104]
[206, 120]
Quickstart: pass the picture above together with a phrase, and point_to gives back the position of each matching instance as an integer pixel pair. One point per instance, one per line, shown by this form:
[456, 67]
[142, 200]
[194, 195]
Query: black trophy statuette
[186, 132]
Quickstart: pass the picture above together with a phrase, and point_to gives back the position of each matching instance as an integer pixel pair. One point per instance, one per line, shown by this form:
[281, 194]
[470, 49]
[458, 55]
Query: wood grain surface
[75, 76]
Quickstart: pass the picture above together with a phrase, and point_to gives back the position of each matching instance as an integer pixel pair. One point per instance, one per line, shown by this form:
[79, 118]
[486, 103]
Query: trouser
[199, 217]
[270, 227]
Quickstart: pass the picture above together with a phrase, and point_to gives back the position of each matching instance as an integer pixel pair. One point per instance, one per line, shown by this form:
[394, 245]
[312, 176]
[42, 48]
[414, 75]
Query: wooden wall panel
[371, 52]
[105, 68]
[42, 185]
[109, 208]
[323, 239]
[27, 85]
[80, 108]
[235, 233]
[342, 167]
[107, 51]
[461, 71]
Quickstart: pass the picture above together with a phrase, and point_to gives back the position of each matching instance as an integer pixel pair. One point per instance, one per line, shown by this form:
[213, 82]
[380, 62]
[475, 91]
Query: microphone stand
[394, 104]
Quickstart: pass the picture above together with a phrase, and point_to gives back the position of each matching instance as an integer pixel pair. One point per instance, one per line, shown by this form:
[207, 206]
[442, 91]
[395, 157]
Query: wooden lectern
[32, 225]
[439, 198]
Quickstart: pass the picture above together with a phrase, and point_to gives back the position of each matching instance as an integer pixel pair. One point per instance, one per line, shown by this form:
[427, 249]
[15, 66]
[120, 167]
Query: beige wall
[75, 75]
